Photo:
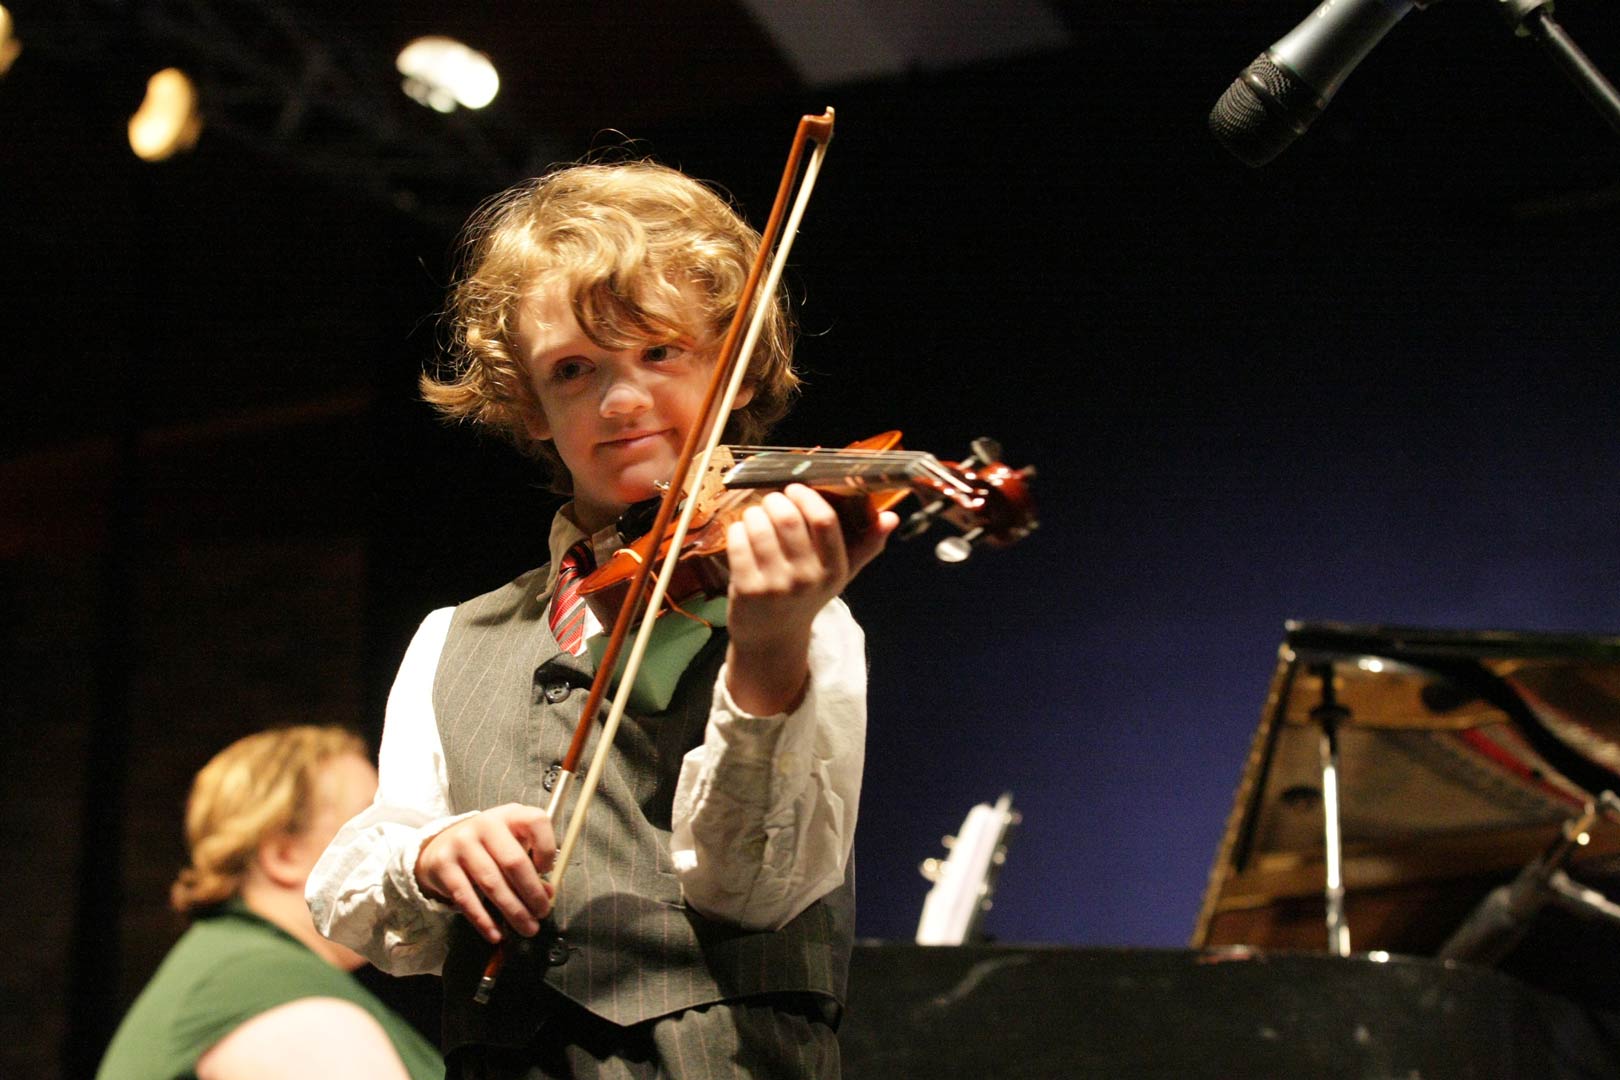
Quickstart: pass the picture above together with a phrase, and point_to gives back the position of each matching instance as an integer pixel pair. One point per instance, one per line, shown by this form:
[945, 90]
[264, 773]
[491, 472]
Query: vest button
[557, 692]
[557, 955]
[553, 771]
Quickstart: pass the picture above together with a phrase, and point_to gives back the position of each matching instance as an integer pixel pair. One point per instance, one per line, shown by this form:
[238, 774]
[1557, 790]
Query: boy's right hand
[498, 854]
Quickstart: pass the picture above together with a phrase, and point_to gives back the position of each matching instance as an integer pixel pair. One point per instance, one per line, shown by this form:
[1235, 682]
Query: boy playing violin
[706, 920]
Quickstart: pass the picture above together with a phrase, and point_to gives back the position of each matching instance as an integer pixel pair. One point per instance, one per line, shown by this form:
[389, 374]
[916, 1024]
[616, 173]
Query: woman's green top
[229, 967]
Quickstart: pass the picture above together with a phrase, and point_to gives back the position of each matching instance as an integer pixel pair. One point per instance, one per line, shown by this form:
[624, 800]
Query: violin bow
[731, 367]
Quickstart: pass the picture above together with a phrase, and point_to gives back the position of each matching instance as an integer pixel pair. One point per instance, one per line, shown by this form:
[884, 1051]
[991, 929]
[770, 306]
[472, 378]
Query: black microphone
[1276, 98]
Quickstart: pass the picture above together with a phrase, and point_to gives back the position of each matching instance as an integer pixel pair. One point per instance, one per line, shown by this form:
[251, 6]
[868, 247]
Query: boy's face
[618, 417]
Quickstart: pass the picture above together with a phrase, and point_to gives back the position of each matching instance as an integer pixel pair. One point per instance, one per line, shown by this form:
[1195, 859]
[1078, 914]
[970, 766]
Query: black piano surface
[1049, 1011]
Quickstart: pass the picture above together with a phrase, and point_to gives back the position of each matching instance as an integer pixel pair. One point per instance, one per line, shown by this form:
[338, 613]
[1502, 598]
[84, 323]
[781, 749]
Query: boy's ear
[745, 394]
[534, 422]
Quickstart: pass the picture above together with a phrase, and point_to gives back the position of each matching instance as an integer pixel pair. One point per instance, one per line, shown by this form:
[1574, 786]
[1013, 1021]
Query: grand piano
[1414, 881]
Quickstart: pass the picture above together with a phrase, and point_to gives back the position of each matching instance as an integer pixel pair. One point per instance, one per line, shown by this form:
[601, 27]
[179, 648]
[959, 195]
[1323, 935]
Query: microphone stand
[1503, 917]
[1533, 18]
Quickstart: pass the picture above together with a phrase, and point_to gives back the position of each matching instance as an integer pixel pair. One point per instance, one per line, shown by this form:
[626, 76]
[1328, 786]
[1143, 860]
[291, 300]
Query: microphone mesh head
[1266, 108]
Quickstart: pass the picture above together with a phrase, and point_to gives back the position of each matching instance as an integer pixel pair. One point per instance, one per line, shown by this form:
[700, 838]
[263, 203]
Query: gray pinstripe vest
[627, 948]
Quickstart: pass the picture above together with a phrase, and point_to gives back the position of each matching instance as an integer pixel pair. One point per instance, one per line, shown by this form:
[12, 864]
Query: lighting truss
[296, 90]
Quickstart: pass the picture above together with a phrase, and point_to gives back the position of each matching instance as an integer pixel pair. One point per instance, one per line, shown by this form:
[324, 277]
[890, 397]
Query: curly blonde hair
[630, 242]
[254, 788]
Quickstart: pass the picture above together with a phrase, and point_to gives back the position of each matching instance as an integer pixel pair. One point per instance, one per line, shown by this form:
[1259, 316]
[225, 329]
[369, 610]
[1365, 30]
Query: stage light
[168, 120]
[442, 73]
[9, 45]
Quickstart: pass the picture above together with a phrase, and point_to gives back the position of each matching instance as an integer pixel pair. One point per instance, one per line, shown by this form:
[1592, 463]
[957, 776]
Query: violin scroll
[991, 504]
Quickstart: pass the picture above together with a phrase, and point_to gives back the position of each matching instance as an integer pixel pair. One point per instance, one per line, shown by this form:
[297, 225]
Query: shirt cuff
[754, 738]
[402, 869]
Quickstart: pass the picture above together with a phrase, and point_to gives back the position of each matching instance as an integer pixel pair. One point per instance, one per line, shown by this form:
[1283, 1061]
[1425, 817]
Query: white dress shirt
[786, 786]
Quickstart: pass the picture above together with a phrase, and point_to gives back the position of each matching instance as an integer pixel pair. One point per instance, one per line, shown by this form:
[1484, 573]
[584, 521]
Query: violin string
[945, 476]
[827, 452]
[899, 457]
[766, 471]
[846, 458]
[861, 462]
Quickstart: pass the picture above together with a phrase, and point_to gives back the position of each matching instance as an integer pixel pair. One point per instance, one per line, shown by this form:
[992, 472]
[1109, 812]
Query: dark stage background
[1372, 382]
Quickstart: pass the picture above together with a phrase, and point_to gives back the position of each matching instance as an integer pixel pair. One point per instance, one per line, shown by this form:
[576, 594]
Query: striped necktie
[567, 605]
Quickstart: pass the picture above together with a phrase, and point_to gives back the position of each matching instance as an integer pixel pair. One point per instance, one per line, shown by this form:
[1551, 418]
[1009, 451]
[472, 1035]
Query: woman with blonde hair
[251, 989]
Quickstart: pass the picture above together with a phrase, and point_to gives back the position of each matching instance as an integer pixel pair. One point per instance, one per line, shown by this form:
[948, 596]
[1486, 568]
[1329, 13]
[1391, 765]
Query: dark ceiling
[308, 140]
[303, 82]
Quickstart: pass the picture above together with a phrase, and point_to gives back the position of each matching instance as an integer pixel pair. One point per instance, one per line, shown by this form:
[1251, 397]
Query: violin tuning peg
[930, 869]
[953, 549]
[919, 521]
[914, 526]
[984, 450]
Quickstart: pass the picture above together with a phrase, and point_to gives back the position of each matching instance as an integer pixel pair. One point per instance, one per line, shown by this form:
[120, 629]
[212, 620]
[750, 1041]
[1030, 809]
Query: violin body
[988, 501]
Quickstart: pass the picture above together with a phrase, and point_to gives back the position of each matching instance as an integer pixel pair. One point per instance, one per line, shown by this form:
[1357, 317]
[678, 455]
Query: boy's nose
[624, 393]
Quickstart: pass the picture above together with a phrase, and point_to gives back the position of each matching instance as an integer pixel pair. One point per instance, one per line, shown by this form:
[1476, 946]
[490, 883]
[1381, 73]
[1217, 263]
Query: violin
[987, 501]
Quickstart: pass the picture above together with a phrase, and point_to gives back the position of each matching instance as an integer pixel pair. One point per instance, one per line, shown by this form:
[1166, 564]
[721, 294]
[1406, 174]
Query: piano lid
[1461, 755]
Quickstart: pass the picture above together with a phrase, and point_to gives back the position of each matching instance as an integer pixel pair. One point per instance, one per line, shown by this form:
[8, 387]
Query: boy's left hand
[788, 558]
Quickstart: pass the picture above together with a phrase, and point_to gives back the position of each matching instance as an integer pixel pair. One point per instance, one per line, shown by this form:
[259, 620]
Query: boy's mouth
[632, 440]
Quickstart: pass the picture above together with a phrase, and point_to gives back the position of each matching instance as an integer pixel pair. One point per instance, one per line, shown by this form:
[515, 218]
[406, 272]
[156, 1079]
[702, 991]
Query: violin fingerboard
[827, 472]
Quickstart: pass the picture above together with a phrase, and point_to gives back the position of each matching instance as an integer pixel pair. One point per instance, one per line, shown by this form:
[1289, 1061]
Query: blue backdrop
[1372, 382]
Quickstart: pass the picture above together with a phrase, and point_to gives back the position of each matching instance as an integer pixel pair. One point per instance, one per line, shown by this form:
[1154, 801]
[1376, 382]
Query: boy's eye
[567, 370]
[657, 354]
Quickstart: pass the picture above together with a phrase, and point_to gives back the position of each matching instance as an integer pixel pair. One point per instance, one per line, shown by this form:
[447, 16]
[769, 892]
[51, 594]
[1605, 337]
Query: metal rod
[1330, 714]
